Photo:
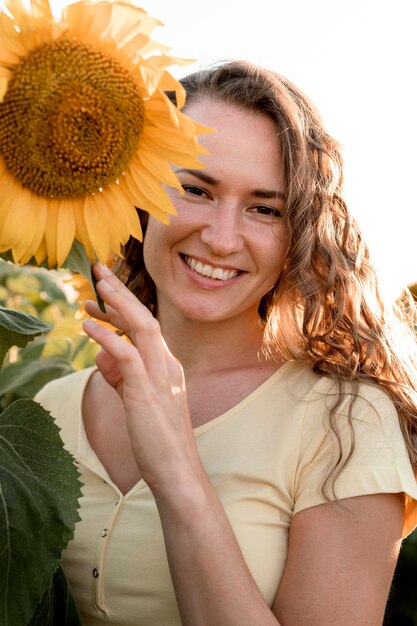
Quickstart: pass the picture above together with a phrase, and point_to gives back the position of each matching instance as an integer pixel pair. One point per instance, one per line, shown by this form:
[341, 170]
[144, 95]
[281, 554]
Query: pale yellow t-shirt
[266, 457]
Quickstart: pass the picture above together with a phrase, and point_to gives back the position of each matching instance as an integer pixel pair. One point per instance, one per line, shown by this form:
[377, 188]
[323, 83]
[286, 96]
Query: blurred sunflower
[86, 132]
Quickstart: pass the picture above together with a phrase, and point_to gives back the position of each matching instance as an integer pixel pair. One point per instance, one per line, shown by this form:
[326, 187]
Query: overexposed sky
[356, 59]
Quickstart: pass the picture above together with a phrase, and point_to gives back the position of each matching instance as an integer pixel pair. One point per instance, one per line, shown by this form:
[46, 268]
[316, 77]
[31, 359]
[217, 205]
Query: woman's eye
[267, 211]
[195, 191]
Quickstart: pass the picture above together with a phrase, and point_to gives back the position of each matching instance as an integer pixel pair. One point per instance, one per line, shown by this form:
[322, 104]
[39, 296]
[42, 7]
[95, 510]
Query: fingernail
[89, 324]
[106, 270]
[103, 284]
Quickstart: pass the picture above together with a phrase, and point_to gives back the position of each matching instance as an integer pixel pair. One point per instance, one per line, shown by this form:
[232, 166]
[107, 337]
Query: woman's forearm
[212, 583]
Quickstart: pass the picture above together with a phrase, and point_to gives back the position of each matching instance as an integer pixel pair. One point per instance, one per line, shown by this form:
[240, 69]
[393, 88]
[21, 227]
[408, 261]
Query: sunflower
[87, 133]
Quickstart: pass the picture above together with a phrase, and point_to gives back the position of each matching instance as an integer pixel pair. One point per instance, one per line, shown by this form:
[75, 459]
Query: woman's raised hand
[149, 381]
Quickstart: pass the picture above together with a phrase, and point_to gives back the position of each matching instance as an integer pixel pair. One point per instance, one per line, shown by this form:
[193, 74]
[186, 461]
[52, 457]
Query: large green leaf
[39, 492]
[26, 378]
[57, 607]
[17, 329]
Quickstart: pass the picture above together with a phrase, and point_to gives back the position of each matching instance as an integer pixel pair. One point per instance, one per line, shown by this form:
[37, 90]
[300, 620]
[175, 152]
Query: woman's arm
[340, 563]
[338, 573]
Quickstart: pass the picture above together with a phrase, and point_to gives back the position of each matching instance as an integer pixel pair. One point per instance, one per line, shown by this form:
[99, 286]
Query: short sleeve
[379, 462]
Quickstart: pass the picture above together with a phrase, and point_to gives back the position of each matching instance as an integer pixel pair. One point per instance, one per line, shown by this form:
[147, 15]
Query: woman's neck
[214, 346]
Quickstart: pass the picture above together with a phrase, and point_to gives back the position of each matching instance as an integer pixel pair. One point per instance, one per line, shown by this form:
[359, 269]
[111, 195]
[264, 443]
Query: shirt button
[95, 573]
[104, 532]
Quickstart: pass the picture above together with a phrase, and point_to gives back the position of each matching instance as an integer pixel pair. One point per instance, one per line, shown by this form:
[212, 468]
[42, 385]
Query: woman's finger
[111, 316]
[127, 313]
[137, 322]
[127, 358]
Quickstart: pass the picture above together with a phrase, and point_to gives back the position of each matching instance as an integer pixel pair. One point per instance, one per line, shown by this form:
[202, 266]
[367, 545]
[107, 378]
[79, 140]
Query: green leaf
[57, 607]
[39, 492]
[33, 350]
[78, 262]
[26, 378]
[6, 256]
[49, 285]
[59, 346]
[17, 329]
[23, 282]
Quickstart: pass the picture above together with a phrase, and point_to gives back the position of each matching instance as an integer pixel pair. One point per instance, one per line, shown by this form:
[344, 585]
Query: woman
[259, 326]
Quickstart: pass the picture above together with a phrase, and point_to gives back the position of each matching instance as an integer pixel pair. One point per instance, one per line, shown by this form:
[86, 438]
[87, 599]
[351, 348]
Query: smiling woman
[249, 456]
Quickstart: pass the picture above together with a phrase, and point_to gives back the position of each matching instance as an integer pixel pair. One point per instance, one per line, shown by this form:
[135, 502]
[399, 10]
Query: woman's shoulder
[317, 388]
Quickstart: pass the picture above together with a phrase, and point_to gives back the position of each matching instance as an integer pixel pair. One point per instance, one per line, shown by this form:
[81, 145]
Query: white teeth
[208, 270]
[218, 273]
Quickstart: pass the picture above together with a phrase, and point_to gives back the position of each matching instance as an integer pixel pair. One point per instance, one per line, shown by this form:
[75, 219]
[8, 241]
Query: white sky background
[356, 59]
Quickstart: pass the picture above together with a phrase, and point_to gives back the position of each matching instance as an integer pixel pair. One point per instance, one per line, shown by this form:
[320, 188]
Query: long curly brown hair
[326, 309]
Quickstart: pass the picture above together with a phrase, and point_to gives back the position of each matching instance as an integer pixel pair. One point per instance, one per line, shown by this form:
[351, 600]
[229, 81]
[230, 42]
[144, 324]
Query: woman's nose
[223, 233]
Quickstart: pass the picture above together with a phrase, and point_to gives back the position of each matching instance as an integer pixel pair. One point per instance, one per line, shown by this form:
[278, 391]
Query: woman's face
[226, 247]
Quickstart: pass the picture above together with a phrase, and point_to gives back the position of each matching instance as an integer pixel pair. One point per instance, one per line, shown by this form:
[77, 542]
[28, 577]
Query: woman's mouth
[210, 271]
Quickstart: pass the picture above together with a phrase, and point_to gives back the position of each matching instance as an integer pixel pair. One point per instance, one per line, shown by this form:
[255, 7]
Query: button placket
[98, 569]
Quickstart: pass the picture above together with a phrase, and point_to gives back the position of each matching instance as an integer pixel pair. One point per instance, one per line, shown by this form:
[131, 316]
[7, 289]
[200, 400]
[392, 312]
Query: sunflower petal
[145, 200]
[25, 245]
[82, 232]
[41, 8]
[172, 140]
[156, 167]
[111, 222]
[19, 12]
[150, 76]
[66, 227]
[51, 235]
[131, 47]
[152, 188]
[6, 237]
[40, 254]
[40, 213]
[172, 155]
[9, 37]
[151, 46]
[97, 232]
[89, 21]
[120, 197]
[127, 17]
[169, 83]
[8, 58]
[122, 213]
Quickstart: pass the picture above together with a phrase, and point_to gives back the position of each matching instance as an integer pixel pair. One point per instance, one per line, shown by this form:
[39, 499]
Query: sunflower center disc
[71, 120]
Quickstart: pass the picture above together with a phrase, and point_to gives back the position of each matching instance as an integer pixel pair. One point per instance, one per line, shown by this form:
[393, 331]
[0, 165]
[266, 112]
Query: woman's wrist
[187, 489]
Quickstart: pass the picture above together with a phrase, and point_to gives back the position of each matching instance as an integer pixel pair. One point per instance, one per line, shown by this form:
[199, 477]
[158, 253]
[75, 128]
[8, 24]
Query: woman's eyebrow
[265, 193]
[259, 193]
[204, 177]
